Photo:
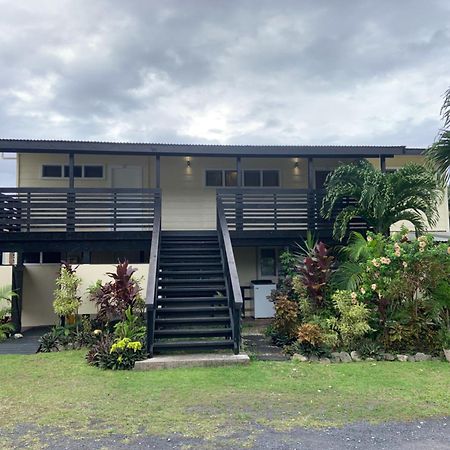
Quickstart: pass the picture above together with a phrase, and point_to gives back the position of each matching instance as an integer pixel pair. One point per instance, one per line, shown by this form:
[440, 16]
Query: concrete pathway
[261, 348]
[27, 345]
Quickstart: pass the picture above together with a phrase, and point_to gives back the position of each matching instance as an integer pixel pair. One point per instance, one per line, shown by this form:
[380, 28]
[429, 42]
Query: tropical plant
[314, 272]
[439, 153]
[411, 193]
[118, 295]
[132, 327]
[6, 327]
[351, 322]
[66, 299]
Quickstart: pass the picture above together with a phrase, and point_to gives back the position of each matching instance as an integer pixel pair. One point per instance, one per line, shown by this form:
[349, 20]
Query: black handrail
[235, 301]
[152, 281]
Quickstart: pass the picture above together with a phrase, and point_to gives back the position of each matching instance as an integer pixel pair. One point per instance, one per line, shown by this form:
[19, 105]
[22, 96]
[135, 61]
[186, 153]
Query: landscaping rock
[436, 358]
[345, 357]
[325, 361]
[422, 357]
[370, 359]
[299, 357]
[402, 358]
[355, 356]
[335, 357]
[388, 357]
[411, 358]
[314, 358]
[18, 336]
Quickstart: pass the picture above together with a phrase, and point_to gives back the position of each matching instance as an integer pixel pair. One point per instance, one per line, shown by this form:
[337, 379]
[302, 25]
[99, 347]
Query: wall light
[188, 162]
[296, 165]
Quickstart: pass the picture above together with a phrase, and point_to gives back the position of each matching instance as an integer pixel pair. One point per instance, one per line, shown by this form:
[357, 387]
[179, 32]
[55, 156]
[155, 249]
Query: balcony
[66, 210]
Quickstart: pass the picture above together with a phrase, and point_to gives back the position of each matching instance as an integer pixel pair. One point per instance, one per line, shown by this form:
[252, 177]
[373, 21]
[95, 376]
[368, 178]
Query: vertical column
[17, 287]
[71, 195]
[239, 171]
[312, 201]
[383, 163]
[158, 172]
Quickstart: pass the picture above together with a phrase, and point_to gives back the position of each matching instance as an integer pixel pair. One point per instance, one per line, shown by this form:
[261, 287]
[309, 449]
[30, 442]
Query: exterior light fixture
[188, 162]
[296, 165]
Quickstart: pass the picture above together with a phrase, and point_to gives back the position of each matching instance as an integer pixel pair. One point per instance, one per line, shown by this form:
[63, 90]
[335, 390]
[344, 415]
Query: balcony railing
[78, 209]
[256, 209]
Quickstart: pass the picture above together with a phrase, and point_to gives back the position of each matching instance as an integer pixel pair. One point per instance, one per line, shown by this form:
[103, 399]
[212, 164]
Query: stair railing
[152, 281]
[235, 301]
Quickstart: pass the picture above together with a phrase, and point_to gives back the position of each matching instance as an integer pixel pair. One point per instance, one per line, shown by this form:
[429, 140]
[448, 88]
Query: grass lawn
[61, 390]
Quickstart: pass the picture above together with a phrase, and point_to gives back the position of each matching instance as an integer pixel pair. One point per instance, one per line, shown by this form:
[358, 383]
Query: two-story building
[201, 222]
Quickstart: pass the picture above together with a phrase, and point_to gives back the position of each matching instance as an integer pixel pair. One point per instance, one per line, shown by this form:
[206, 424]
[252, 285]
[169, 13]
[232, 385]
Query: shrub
[351, 322]
[66, 301]
[99, 354]
[6, 327]
[132, 327]
[115, 297]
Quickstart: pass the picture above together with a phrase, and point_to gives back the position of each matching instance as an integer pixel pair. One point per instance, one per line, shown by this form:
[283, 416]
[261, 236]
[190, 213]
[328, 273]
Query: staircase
[192, 308]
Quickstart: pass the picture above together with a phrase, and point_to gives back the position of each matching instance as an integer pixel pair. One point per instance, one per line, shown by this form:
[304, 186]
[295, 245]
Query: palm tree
[411, 193]
[439, 153]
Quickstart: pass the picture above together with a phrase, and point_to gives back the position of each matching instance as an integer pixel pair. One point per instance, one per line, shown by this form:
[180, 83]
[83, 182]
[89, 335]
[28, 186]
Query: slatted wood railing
[256, 209]
[77, 209]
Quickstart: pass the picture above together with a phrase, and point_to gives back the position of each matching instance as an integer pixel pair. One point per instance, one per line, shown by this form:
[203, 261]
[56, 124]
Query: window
[221, 178]
[49, 171]
[58, 171]
[76, 171]
[268, 262]
[51, 257]
[214, 178]
[93, 171]
[252, 178]
[231, 178]
[261, 178]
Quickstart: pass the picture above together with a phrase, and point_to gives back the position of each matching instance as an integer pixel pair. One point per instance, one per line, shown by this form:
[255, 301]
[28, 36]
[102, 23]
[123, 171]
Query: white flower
[385, 260]
[375, 262]
[373, 286]
[363, 291]
[405, 264]
[422, 244]
[369, 239]
[353, 295]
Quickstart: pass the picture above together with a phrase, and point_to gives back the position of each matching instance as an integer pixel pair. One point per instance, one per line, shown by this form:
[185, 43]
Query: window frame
[223, 186]
[64, 165]
[261, 178]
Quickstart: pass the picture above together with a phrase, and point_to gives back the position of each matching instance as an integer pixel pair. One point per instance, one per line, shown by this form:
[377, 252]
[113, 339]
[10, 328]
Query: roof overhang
[120, 148]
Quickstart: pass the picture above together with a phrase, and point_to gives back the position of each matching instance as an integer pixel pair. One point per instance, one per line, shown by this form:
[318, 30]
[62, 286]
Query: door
[127, 177]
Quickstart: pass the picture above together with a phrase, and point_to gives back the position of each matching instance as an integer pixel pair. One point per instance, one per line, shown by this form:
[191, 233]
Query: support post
[158, 172]
[239, 171]
[311, 197]
[383, 163]
[71, 194]
[71, 170]
[17, 300]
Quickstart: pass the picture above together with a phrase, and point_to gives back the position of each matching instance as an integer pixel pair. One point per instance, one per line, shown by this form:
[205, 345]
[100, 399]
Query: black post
[71, 170]
[383, 163]
[158, 172]
[17, 300]
[311, 197]
[239, 171]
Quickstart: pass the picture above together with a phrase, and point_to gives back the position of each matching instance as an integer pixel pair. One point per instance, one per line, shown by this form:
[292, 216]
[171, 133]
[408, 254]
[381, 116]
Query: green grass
[61, 390]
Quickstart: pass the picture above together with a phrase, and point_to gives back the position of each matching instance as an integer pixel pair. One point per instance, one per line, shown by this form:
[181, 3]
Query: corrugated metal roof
[148, 148]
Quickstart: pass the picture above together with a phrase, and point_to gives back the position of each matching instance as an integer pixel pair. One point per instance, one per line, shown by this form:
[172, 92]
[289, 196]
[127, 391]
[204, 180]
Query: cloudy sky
[223, 71]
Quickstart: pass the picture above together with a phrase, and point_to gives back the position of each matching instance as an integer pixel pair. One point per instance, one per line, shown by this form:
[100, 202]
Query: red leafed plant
[315, 272]
[116, 296]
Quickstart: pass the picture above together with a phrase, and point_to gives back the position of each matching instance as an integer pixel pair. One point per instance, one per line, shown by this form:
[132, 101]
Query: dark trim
[310, 173]
[86, 147]
[17, 300]
[71, 170]
[157, 172]
[382, 163]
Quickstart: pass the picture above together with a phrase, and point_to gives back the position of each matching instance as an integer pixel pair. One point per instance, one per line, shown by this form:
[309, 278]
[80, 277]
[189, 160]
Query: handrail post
[152, 282]
[232, 278]
[71, 199]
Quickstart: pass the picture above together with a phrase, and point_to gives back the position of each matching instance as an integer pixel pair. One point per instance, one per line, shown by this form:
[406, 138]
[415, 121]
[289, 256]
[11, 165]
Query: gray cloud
[226, 71]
